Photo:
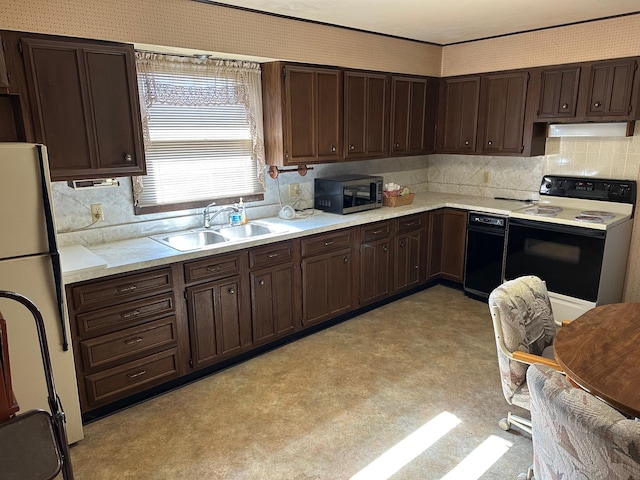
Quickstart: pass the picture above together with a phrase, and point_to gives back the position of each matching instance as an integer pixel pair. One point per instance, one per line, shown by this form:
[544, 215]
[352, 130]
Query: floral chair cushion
[527, 325]
[576, 435]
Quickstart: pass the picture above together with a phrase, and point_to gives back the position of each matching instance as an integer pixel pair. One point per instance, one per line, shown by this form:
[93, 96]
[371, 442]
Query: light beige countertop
[144, 252]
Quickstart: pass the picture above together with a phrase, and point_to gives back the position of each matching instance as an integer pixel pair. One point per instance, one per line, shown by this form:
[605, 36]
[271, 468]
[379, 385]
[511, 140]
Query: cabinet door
[505, 96]
[610, 87]
[453, 244]
[436, 226]
[326, 286]
[313, 98]
[460, 114]
[409, 116]
[407, 260]
[375, 271]
[272, 303]
[365, 107]
[559, 92]
[218, 326]
[4, 79]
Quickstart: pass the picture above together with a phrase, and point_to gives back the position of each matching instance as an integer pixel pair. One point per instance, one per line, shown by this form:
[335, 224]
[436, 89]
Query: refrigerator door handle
[53, 248]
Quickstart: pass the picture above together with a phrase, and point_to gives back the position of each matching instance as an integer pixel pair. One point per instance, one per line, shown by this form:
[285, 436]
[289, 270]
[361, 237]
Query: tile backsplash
[486, 176]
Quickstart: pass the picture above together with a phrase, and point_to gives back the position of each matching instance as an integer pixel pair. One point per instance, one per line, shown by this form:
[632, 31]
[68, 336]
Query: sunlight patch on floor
[480, 459]
[409, 448]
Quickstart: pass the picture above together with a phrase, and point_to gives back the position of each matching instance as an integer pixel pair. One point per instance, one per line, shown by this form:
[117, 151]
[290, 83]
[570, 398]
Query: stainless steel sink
[193, 240]
[243, 231]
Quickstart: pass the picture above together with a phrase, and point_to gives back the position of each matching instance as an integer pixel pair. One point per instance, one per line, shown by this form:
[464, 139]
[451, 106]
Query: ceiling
[442, 22]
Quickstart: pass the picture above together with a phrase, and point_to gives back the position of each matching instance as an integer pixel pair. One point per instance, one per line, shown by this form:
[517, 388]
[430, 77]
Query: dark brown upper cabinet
[558, 92]
[503, 101]
[365, 115]
[4, 79]
[302, 114]
[414, 103]
[458, 118]
[83, 104]
[610, 89]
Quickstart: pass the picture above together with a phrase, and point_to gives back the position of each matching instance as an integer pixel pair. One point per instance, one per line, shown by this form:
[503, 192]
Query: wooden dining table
[600, 351]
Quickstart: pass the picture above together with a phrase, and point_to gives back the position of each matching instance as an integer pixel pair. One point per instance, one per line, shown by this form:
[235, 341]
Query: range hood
[616, 129]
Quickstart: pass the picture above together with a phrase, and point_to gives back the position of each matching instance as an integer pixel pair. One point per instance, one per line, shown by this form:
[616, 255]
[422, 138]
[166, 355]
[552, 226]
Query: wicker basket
[398, 201]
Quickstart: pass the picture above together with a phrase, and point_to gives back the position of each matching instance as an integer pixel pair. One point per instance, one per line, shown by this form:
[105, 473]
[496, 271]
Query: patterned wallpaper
[617, 37]
[189, 24]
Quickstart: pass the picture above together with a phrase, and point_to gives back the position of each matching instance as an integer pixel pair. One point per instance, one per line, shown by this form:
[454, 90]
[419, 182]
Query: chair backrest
[522, 320]
[8, 404]
[576, 435]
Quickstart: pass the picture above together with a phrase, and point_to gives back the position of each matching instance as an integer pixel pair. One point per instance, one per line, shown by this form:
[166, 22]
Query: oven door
[568, 259]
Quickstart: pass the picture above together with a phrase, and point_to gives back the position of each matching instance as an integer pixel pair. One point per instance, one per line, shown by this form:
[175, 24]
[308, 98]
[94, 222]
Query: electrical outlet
[97, 215]
[294, 190]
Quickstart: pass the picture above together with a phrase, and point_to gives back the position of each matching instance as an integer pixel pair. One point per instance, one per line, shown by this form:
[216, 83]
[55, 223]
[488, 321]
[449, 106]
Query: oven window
[568, 259]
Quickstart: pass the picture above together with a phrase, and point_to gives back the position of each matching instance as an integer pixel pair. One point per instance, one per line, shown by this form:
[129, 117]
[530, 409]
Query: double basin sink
[203, 239]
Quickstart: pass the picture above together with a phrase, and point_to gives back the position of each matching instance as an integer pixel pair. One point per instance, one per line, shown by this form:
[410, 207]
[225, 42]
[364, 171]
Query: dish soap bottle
[242, 212]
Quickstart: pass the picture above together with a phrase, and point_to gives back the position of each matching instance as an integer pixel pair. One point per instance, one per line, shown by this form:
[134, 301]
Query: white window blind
[202, 141]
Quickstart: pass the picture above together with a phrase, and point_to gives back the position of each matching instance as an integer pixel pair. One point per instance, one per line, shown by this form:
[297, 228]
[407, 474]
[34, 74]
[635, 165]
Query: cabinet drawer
[219, 266]
[121, 289]
[327, 242]
[375, 231]
[271, 254]
[122, 345]
[118, 382]
[409, 223]
[124, 316]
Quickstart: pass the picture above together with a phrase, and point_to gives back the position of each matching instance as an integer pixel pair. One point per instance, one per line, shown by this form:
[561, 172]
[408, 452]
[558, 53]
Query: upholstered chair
[524, 330]
[576, 435]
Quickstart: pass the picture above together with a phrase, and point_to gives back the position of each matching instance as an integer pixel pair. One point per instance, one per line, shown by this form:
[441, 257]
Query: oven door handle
[554, 227]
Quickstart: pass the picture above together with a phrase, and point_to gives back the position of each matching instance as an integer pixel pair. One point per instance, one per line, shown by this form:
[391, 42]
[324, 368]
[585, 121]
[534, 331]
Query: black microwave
[348, 193]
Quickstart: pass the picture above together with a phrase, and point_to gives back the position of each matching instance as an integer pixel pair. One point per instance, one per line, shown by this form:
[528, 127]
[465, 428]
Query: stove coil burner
[588, 218]
[540, 211]
[597, 213]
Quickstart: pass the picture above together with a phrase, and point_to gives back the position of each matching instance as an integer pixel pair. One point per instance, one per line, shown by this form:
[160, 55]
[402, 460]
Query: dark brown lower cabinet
[447, 233]
[375, 270]
[326, 286]
[218, 325]
[273, 302]
[409, 251]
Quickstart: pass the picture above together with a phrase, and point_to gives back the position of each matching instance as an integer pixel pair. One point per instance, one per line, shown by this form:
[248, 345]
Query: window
[202, 126]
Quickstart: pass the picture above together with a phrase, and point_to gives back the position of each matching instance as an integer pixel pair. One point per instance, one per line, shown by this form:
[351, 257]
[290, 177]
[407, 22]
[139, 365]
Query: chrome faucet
[207, 218]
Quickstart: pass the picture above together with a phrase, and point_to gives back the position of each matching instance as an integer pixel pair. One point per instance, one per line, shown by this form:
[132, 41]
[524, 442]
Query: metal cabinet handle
[132, 341]
[326, 244]
[565, 106]
[129, 288]
[375, 232]
[274, 255]
[352, 147]
[384, 249]
[231, 291]
[597, 104]
[127, 157]
[402, 244]
[345, 259]
[410, 224]
[467, 142]
[261, 282]
[333, 148]
[137, 374]
[286, 155]
[217, 268]
[397, 145]
[133, 313]
[489, 142]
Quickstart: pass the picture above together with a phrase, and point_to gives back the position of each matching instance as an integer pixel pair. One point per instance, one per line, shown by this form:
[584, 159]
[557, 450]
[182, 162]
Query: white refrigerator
[30, 265]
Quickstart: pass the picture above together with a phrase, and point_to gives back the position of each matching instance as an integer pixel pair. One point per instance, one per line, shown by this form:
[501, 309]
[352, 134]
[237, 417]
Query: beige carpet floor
[332, 406]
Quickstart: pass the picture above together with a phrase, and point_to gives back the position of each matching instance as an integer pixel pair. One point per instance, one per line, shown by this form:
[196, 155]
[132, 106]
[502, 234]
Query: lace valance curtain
[207, 82]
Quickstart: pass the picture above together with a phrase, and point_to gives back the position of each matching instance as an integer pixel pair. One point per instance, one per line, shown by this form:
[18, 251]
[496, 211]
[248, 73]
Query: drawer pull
[375, 232]
[132, 341]
[597, 104]
[133, 313]
[261, 282]
[137, 374]
[274, 255]
[231, 291]
[129, 288]
[217, 268]
[326, 244]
